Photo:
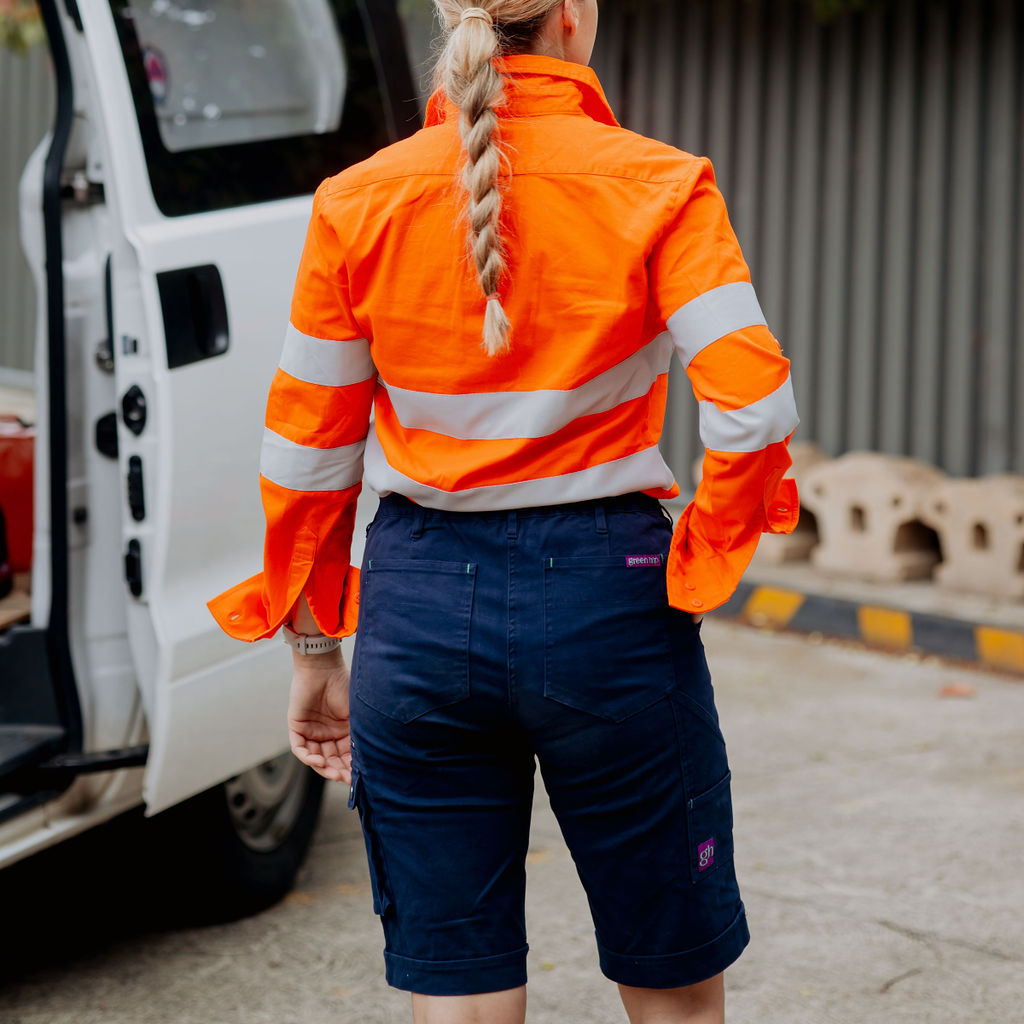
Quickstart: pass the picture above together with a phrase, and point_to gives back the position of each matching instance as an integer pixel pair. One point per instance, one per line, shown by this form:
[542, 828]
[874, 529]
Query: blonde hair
[475, 35]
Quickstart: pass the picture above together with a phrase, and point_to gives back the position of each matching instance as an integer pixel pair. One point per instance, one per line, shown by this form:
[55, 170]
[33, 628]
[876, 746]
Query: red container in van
[16, 449]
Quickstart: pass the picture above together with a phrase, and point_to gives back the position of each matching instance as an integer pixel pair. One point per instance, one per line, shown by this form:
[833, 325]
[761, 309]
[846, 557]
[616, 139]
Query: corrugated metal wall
[873, 169]
[26, 110]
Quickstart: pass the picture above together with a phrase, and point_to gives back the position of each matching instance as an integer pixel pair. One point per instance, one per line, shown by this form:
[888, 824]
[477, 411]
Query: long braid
[470, 80]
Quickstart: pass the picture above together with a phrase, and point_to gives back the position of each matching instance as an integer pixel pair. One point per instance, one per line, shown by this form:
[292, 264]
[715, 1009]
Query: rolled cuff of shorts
[674, 970]
[457, 977]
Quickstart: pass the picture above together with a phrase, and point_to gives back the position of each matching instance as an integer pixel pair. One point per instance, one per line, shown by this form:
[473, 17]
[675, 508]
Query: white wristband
[310, 644]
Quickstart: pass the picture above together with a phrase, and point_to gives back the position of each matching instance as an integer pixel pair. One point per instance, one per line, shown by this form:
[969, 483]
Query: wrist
[327, 660]
[302, 620]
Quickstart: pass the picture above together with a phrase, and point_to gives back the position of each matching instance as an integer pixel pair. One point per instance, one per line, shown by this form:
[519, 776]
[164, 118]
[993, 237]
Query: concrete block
[870, 516]
[775, 548]
[980, 524]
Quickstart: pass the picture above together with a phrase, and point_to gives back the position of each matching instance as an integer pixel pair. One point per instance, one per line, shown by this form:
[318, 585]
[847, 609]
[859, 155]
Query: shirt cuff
[248, 612]
[782, 512]
[701, 578]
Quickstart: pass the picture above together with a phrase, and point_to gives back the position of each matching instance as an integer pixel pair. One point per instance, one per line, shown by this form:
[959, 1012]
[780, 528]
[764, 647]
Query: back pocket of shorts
[709, 818]
[606, 637]
[412, 645]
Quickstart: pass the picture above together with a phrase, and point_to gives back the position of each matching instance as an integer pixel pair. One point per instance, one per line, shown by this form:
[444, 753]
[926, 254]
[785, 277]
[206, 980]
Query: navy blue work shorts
[489, 642]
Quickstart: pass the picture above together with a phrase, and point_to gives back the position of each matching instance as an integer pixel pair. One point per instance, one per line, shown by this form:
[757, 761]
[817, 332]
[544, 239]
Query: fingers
[335, 750]
[332, 759]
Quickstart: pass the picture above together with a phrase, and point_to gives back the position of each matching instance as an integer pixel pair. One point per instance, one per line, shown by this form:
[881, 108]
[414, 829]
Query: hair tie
[475, 12]
[493, 297]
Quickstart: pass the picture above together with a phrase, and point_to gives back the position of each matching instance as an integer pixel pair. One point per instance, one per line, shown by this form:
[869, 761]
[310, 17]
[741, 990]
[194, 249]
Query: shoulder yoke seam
[674, 179]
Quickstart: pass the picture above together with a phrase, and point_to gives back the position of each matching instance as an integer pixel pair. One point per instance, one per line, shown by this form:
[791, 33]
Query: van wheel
[236, 848]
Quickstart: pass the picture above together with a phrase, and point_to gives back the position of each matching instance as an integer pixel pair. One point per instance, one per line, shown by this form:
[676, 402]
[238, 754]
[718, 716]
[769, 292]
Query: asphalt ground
[879, 803]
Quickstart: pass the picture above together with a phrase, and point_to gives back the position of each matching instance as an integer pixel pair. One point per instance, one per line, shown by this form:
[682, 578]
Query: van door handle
[195, 314]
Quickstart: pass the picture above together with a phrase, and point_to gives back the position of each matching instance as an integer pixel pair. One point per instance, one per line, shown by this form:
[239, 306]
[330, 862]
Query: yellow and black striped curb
[893, 629]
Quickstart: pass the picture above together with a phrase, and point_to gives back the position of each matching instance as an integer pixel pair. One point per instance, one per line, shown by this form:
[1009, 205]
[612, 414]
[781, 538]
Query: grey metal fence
[26, 104]
[873, 168]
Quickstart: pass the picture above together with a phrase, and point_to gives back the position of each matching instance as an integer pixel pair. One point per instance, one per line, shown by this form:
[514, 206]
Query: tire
[235, 849]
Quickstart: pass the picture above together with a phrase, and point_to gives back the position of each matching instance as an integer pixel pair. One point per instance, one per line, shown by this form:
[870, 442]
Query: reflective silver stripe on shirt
[713, 315]
[642, 471]
[505, 415]
[769, 419]
[299, 468]
[319, 361]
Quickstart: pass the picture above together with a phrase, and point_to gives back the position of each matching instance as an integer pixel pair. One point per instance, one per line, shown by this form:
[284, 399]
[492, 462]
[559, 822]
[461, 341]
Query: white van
[163, 219]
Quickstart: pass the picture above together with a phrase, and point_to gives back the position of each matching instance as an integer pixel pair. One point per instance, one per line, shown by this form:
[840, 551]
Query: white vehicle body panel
[151, 668]
[214, 709]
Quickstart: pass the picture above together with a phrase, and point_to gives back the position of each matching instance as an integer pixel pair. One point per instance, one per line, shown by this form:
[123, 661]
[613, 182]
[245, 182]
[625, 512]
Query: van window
[240, 71]
[241, 102]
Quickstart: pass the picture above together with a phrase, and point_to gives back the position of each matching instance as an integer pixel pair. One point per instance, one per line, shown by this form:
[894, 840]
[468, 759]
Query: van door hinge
[76, 187]
[105, 355]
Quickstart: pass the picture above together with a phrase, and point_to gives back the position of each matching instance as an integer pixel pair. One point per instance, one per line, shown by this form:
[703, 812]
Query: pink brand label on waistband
[634, 560]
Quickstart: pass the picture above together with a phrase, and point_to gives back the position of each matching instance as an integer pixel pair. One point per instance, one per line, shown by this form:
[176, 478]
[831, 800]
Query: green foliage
[20, 25]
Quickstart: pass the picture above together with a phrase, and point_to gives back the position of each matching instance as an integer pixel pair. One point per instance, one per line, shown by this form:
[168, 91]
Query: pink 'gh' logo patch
[706, 854]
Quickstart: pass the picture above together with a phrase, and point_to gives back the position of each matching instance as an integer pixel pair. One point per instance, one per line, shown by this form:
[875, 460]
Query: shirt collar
[538, 85]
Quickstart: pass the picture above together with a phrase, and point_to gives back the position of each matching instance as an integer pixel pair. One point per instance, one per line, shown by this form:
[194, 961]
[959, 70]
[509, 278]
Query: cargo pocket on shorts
[709, 825]
[374, 858]
[607, 648]
[412, 646]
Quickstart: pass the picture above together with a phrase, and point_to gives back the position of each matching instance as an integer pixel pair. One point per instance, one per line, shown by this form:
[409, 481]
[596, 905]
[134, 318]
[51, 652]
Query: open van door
[212, 122]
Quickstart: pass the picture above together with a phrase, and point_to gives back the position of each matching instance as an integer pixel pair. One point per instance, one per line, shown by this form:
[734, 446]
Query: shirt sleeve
[311, 461]
[700, 287]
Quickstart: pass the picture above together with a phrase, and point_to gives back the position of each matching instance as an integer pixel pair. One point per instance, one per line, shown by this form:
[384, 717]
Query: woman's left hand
[318, 726]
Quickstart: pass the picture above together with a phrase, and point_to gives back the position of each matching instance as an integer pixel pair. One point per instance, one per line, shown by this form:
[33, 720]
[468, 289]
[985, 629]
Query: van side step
[27, 688]
[24, 745]
[40, 773]
[73, 765]
[31, 730]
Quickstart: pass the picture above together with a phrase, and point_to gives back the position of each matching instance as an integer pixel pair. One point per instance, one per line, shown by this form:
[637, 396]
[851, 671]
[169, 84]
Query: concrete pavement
[880, 827]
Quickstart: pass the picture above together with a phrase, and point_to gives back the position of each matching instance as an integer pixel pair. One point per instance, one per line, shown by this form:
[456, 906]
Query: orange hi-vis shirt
[620, 254]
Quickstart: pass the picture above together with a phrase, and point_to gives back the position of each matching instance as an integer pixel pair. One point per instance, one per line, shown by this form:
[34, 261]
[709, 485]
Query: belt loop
[419, 518]
[513, 525]
[599, 519]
